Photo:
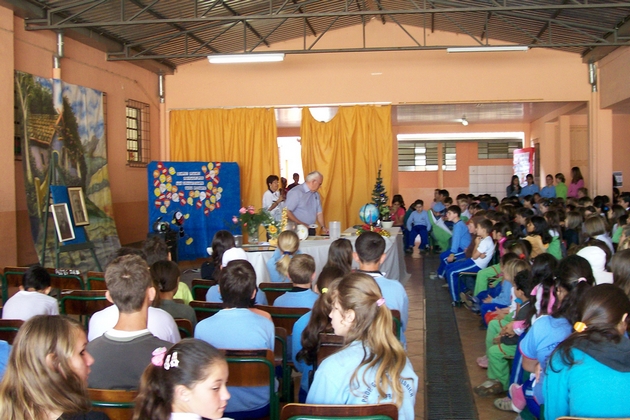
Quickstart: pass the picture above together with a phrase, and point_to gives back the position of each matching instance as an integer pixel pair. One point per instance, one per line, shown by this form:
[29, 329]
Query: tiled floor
[470, 334]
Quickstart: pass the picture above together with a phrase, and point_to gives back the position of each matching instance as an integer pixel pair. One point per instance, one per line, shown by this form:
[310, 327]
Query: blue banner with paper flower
[194, 200]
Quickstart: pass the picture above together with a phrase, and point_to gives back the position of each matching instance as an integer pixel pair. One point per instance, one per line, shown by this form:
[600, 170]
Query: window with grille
[497, 149]
[138, 139]
[423, 156]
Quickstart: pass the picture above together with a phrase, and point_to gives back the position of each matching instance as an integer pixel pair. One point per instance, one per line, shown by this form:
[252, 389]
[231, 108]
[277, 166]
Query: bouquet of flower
[250, 219]
[368, 228]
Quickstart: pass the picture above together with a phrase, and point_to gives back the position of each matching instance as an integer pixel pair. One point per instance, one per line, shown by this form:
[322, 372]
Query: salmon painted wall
[414, 185]
[86, 66]
[390, 77]
[8, 215]
[621, 147]
[401, 77]
[614, 79]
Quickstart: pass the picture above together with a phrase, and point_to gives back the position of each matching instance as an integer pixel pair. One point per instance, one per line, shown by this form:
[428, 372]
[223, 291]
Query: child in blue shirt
[372, 367]
[459, 242]
[278, 264]
[301, 273]
[418, 224]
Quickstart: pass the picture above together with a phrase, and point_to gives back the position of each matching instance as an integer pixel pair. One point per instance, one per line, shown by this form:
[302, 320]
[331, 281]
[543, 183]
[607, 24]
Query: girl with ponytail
[278, 264]
[574, 277]
[589, 373]
[372, 367]
[188, 381]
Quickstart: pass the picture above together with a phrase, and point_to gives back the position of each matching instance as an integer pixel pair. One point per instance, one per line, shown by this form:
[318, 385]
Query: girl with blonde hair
[47, 372]
[372, 367]
[278, 264]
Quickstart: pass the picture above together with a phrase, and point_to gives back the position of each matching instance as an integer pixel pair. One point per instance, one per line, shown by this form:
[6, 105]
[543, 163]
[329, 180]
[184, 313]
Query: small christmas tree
[379, 197]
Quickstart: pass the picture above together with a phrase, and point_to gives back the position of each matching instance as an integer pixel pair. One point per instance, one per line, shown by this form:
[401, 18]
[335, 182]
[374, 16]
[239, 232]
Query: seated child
[340, 255]
[370, 254]
[471, 300]
[372, 367]
[193, 389]
[459, 242]
[481, 256]
[491, 307]
[418, 224]
[502, 339]
[238, 328]
[214, 292]
[301, 273]
[166, 275]
[222, 241]
[32, 299]
[156, 249]
[587, 374]
[122, 353]
[278, 264]
[306, 330]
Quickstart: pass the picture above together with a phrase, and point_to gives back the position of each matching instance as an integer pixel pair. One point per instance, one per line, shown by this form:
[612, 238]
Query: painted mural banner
[63, 124]
[192, 201]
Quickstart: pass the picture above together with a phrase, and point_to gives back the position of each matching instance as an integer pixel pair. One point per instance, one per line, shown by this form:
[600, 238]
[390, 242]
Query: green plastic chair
[250, 368]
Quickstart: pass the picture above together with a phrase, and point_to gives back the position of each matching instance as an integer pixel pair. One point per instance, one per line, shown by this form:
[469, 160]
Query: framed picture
[77, 202]
[63, 226]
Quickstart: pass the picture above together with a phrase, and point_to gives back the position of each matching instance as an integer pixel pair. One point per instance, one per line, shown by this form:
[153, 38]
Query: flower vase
[252, 235]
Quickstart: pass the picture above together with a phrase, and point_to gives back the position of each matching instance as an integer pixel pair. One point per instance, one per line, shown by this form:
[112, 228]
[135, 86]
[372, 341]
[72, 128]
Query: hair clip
[324, 290]
[508, 233]
[579, 326]
[158, 356]
[521, 256]
[380, 302]
[286, 253]
[171, 361]
[581, 279]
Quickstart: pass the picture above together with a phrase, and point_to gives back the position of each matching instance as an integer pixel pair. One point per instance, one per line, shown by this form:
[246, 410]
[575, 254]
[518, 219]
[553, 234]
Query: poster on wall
[523, 163]
[195, 199]
[62, 124]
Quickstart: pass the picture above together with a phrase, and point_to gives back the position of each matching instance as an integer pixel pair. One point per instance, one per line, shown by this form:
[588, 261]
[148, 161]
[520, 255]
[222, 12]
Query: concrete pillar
[600, 148]
[563, 144]
[8, 214]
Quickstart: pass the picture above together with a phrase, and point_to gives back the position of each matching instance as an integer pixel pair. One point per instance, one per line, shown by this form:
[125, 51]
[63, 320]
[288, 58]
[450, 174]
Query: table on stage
[393, 267]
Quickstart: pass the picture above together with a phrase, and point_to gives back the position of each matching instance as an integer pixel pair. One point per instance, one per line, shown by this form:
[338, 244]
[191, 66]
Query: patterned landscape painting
[63, 125]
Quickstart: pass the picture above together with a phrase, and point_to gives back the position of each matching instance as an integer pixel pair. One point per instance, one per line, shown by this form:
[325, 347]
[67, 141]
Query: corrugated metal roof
[179, 31]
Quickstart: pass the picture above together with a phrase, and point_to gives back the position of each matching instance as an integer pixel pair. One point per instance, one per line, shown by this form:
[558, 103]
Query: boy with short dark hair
[301, 274]
[237, 327]
[370, 254]
[156, 249]
[32, 299]
[122, 353]
[166, 276]
[459, 242]
[418, 223]
[483, 253]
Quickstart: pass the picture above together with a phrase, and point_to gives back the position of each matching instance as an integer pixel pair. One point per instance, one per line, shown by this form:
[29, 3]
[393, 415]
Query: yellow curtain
[348, 151]
[245, 136]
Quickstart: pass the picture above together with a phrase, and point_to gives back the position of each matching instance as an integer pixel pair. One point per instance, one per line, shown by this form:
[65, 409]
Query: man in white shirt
[32, 299]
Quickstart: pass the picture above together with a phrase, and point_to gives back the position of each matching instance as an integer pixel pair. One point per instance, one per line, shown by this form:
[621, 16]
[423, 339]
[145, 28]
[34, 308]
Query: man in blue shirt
[303, 203]
[530, 188]
[548, 191]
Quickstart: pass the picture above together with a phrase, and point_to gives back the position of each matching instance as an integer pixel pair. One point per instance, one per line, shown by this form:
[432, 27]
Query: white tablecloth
[393, 267]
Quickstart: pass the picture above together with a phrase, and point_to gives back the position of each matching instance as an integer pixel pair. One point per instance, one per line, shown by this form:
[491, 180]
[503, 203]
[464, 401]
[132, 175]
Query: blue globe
[369, 214]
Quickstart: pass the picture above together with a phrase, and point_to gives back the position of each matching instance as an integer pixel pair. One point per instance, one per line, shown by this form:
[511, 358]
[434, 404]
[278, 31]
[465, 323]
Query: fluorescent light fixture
[488, 48]
[509, 135]
[245, 58]
[464, 121]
